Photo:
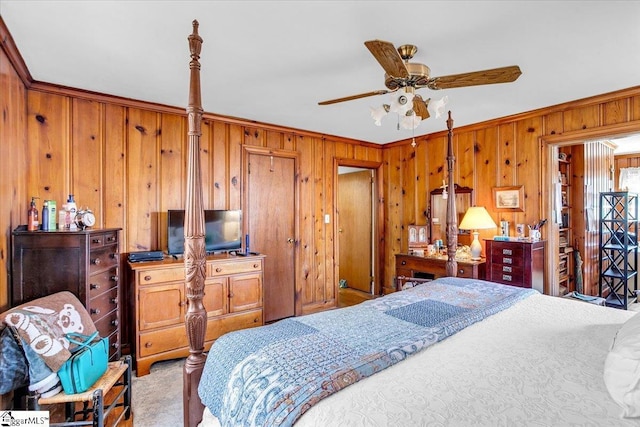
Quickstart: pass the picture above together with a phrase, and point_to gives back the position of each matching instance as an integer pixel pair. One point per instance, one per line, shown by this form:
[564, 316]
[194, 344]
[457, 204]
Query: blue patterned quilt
[269, 376]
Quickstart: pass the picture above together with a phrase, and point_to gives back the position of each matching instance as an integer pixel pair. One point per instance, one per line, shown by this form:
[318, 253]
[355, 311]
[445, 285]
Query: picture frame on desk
[509, 199]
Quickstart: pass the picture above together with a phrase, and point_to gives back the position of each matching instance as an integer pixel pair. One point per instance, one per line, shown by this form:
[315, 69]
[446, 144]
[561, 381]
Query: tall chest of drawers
[516, 263]
[86, 263]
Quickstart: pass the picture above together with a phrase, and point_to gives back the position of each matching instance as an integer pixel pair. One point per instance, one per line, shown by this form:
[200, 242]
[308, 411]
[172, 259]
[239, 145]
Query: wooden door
[271, 228]
[355, 220]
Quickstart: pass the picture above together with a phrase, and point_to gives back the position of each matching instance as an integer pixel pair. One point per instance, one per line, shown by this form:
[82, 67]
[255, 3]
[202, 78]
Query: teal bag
[87, 363]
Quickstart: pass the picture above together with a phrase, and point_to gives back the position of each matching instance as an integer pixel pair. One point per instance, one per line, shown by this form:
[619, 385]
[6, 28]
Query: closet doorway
[270, 221]
[357, 226]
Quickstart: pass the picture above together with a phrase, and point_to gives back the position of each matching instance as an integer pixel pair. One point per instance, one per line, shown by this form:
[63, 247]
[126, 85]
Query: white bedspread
[539, 363]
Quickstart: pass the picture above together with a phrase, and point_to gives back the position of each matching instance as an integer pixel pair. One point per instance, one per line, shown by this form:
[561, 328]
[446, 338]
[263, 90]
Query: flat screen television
[223, 231]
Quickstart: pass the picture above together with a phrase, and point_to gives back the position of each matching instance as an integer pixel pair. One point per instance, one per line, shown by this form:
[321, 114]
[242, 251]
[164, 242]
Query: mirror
[437, 215]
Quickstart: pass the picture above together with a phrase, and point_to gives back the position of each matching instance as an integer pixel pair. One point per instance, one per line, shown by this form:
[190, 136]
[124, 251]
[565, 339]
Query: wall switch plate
[327, 218]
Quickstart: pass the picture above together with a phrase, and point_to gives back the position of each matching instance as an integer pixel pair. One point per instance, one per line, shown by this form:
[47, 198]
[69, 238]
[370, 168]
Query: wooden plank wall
[503, 152]
[129, 165]
[126, 159]
[13, 165]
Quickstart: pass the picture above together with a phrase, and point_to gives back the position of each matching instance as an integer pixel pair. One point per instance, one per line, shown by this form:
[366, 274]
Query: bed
[488, 354]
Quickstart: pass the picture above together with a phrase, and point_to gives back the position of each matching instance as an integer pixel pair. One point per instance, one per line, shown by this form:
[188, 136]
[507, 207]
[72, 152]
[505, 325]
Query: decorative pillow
[622, 368]
[43, 323]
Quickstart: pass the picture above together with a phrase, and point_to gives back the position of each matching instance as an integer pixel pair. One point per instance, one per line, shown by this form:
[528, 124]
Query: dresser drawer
[233, 267]
[103, 304]
[506, 249]
[163, 275]
[108, 324]
[99, 240]
[159, 341]
[102, 282]
[507, 275]
[466, 271]
[100, 259]
[513, 261]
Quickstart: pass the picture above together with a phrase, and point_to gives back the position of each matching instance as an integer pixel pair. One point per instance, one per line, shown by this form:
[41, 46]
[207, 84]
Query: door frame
[264, 151]
[378, 218]
[548, 147]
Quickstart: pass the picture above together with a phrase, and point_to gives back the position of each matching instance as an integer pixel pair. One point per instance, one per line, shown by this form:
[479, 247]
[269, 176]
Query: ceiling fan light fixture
[437, 107]
[401, 102]
[410, 120]
[378, 113]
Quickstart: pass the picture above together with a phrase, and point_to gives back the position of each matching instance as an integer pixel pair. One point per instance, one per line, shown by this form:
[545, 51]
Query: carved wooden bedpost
[194, 245]
[452, 216]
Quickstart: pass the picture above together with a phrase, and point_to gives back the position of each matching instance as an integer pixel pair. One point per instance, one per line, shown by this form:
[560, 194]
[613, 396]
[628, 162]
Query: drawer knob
[506, 277]
[148, 344]
[114, 300]
[114, 278]
[507, 252]
[95, 261]
[115, 322]
[96, 241]
[94, 286]
[113, 255]
[256, 265]
[115, 345]
[461, 271]
[111, 239]
[404, 263]
[147, 278]
[218, 269]
[95, 311]
[256, 320]
[506, 268]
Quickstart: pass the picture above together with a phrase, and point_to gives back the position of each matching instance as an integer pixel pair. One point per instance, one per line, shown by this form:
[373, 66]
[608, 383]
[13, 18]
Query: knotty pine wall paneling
[233, 166]
[172, 170]
[49, 148]
[143, 180]
[14, 166]
[112, 211]
[86, 154]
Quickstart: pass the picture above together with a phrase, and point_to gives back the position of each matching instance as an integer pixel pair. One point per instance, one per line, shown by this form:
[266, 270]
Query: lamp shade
[477, 218]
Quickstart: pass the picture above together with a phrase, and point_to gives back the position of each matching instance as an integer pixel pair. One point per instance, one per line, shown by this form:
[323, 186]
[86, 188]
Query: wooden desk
[432, 267]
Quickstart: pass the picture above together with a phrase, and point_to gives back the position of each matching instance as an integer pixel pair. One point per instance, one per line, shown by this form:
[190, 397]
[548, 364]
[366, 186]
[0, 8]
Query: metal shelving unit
[618, 229]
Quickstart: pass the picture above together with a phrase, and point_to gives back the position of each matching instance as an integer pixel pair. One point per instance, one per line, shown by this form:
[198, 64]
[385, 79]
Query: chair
[118, 375]
[45, 321]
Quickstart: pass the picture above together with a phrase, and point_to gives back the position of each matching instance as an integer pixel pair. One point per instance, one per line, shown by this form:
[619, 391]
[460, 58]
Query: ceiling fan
[409, 76]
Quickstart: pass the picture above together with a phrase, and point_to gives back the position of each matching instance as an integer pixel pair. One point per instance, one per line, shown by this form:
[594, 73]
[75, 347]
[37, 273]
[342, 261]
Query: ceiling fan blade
[420, 107]
[475, 78]
[388, 57]
[352, 97]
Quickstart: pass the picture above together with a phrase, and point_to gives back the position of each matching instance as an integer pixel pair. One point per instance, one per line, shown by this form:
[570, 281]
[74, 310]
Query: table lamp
[476, 218]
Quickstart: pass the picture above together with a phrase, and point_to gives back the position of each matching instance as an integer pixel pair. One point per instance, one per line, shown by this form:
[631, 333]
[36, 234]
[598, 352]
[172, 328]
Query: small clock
[85, 218]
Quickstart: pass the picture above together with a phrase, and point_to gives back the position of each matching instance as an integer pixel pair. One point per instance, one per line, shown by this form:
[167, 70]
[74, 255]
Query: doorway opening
[358, 230]
[592, 173]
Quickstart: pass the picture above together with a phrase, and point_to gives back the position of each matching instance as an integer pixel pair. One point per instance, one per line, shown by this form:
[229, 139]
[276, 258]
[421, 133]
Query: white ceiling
[272, 61]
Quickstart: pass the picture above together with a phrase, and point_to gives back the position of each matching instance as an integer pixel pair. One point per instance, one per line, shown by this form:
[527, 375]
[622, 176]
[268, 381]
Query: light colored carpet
[157, 397]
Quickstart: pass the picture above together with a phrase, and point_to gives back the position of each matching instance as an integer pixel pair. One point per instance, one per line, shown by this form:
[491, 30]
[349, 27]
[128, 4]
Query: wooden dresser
[516, 263]
[432, 267]
[86, 263]
[232, 297]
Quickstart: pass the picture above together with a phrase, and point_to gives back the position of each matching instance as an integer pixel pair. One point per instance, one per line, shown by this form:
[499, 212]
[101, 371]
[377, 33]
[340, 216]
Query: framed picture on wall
[417, 236]
[509, 199]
